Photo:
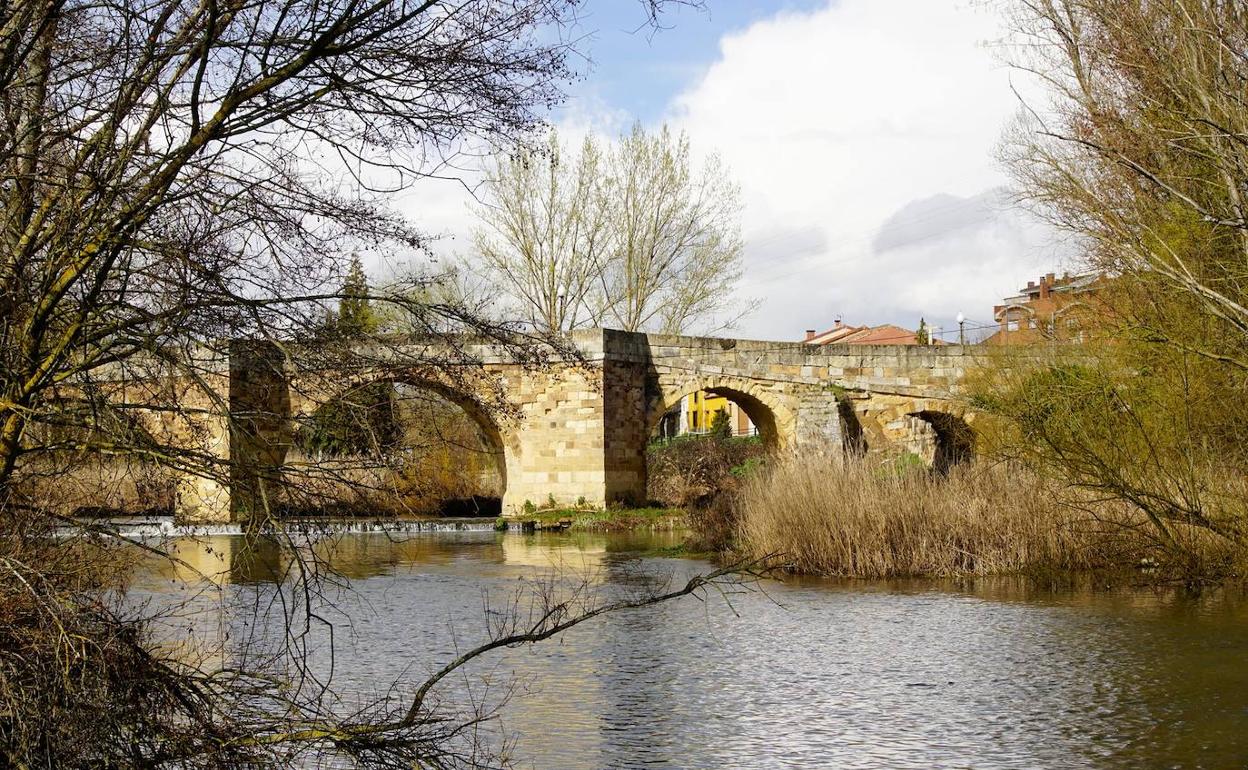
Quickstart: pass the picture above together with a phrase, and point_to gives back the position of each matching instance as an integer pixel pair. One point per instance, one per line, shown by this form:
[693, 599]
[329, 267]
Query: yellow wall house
[698, 414]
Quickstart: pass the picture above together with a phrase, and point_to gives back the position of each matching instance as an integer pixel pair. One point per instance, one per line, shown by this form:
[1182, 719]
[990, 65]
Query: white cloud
[864, 138]
[838, 120]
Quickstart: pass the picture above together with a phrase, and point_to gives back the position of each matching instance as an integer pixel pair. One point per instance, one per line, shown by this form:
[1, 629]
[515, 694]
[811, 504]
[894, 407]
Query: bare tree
[676, 256]
[175, 175]
[634, 237]
[544, 238]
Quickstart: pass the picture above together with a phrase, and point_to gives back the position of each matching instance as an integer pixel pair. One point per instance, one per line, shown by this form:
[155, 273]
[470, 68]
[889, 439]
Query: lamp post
[961, 328]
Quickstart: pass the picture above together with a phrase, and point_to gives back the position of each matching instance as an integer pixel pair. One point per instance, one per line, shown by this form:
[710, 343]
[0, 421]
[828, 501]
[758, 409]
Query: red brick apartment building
[1052, 310]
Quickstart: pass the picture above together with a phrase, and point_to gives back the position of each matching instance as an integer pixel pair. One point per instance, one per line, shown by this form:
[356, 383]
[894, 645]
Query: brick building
[1053, 309]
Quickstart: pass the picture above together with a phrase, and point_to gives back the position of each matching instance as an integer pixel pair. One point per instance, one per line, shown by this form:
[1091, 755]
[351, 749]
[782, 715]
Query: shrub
[693, 471]
[702, 475]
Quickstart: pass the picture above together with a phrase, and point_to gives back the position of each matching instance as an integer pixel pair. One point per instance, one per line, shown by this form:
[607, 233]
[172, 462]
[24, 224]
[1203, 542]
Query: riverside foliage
[1141, 158]
[875, 521]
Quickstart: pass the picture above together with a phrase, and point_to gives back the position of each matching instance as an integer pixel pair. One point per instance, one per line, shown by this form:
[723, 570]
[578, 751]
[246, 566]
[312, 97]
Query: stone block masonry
[576, 430]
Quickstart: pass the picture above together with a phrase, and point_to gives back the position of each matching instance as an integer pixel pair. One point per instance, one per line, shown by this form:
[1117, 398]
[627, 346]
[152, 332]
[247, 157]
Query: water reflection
[985, 673]
[583, 553]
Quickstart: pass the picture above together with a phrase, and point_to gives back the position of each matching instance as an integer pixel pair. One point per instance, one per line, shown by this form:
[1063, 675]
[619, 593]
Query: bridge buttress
[555, 449]
[203, 426]
[244, 423]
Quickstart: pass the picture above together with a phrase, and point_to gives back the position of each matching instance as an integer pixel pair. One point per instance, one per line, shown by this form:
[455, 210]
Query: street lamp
[961, 328]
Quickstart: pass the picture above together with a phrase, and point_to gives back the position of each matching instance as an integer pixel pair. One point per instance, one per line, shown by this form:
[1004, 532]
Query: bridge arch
[774, 420]
[935, 429]
[70, 472]
[854, 440]
[955, 439]
[500, 445]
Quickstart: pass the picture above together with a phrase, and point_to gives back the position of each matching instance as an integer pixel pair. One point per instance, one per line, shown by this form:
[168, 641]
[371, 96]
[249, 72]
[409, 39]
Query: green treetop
[355, 315]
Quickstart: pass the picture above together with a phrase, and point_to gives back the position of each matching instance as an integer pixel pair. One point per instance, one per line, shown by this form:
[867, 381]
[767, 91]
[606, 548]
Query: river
[805, 673]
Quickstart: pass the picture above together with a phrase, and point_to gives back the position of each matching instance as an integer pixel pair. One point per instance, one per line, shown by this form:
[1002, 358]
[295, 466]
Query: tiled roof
[835, 334]
[884, 334]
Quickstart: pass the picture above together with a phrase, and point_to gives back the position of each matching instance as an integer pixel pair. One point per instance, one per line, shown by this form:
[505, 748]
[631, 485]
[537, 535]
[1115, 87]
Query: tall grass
[863, 520]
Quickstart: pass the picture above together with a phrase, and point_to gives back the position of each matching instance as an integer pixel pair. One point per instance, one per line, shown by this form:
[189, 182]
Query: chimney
[837, 323]
[1046, 283]
[810, 334]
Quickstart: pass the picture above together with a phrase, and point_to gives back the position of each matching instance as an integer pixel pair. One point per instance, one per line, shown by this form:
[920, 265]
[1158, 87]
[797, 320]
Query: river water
[806, 673]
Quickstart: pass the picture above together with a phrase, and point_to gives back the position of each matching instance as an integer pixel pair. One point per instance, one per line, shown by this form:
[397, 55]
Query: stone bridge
[577, 428]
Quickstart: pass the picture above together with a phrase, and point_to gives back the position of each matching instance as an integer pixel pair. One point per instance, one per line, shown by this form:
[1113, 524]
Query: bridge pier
[240, 415]
[580, 434]
[202, 426]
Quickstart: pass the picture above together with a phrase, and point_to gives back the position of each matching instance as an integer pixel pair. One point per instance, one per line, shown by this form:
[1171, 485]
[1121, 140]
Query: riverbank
[598, 520]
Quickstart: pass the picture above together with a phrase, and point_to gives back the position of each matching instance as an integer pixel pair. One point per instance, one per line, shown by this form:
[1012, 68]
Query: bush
[693, 471]
[81, 685]
[714, 525]
[702, 475]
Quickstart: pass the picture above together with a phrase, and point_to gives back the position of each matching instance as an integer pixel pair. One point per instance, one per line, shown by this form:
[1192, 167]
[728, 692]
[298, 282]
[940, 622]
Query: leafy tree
[922, 336]
[364, 421]
[721, 424]
[355, 315]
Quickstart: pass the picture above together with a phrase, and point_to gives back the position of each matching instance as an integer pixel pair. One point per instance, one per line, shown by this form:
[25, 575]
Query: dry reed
[871, 521]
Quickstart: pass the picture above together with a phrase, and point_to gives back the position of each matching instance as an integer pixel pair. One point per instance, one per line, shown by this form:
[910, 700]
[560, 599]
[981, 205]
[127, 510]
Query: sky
[863, 135]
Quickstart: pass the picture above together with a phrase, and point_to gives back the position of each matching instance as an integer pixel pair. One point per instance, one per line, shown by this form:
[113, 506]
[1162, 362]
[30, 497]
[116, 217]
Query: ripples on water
[812, 674]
